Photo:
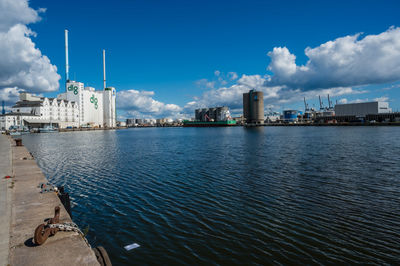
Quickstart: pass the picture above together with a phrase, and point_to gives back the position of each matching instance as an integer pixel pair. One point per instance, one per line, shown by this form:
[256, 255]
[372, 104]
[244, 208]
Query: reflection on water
[284, 195]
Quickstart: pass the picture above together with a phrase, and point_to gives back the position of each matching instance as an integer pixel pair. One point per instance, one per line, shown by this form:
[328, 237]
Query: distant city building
[272, 117]
[121, 123]
[213, 114]
[162, 121]
[253, 107]
[130, 122]
[362, 109]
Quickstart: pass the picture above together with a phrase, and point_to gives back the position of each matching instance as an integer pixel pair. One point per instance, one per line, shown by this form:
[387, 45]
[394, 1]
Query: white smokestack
[66, 57]
[104, 68]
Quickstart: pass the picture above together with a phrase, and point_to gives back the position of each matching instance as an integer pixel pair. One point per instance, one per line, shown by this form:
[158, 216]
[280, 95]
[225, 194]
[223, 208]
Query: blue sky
[169, 57]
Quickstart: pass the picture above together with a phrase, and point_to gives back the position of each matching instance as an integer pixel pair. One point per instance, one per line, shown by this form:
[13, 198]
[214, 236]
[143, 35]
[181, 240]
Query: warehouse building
[362, 109]
[35, 111]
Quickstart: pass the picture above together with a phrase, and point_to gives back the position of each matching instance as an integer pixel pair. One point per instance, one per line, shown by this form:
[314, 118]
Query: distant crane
[306, 105]
[321, 105]
[330, 103]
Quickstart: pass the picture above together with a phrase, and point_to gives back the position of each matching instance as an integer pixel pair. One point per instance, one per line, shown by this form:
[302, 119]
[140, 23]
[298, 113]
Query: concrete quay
[5, 198]
[29, 208]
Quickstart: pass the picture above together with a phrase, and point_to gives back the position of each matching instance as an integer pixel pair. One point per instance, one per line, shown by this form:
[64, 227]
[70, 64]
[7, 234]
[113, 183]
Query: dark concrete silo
[253, 107]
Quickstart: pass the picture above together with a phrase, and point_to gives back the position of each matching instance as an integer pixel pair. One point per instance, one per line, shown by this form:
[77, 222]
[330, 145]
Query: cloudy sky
[167, 58]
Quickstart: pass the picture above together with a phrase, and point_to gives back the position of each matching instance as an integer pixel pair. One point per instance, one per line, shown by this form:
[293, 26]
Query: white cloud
[220, 79]
[393, 86]
[22, 65]
[13, 12]
[282, 63]
[251, 81]
[291, 95]
[205, 84]
[232, 75]
[358, 100]
[139, 103]
[382, 99]
[9, 95]
[343, 62]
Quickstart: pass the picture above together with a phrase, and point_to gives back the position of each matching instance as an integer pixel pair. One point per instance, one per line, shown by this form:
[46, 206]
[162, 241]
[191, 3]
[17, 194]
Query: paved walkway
[29, 209]
[5, 198]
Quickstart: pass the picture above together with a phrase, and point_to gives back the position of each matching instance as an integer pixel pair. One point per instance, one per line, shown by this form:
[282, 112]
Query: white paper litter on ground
[131, 246]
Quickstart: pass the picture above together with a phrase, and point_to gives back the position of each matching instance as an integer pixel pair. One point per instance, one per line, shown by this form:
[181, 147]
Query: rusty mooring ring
[42, 232]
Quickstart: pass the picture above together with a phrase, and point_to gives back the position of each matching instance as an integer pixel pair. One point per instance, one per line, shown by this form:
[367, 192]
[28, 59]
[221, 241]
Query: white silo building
[96, 108]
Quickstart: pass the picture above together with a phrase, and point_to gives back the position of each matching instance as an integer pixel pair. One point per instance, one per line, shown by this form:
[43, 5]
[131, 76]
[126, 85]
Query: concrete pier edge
[27, 209]
[5, 198]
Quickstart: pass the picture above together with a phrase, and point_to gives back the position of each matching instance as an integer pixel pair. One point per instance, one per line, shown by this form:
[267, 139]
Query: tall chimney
[66, 57]
[104, 68]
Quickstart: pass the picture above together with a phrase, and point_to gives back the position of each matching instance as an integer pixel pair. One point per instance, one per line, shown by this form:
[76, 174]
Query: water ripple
[232, 195]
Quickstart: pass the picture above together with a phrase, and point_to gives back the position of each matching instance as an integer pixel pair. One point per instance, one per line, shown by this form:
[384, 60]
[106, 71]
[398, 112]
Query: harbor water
[268, 195]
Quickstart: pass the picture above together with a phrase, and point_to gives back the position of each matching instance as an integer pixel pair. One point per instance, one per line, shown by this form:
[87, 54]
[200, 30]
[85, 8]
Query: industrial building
[253, 107]
[211, 117]
[78, 106]
[311, 114]
[362, 109]
[213, 114]
[272, 117]
[370, 112]
[291, 116]
[96, 108]
[133, 122]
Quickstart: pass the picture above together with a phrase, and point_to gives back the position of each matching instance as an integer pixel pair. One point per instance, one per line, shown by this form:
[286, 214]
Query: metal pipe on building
[104, 68]
[66, 57]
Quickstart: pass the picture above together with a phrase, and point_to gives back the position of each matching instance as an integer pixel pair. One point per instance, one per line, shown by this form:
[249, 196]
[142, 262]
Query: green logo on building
[73, 88]
[94, 100]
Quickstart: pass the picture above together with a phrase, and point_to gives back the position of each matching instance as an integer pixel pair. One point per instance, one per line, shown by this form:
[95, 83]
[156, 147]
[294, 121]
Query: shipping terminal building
[78, 106]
